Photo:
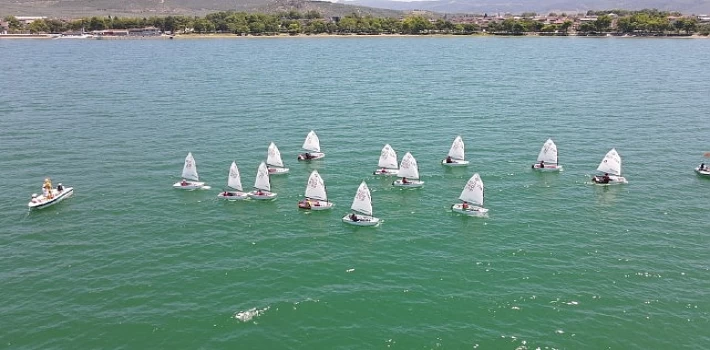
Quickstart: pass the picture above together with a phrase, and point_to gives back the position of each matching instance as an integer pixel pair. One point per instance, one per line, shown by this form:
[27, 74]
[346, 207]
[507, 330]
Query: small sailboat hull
[264, 196]
[189, 185]
[471, 210]
[385, 172]
[41, 202]
[613, 180]
[311, 156]
[547, 167]
[703, 172]
[455, 163]
[409, 184]
[314, 205]
[233, 195]
[362, 220]
[277, 170]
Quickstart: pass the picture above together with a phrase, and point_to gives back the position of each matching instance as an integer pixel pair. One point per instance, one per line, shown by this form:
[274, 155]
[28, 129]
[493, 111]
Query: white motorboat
[274, 162]
[611, 167]
[409, 173]
[190, 179]
[362, 209]
[548, 159]
[50, 196]
[262, 185]
[387, 163]
[234, 181]
[312, 147]
[456, 156]
[471, 198]
[316, 195]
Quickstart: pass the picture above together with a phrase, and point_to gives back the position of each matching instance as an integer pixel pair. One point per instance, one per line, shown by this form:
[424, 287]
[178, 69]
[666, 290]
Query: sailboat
[274, 162]
[456, 154]
[190, 179]
[312, 146]
[547, 159]
[388, 162]
[316, 196]
[409, 173]
[611, 167]
[50, 195]
[471, 198]
[362, 209]
[234, 182]
[262, 184]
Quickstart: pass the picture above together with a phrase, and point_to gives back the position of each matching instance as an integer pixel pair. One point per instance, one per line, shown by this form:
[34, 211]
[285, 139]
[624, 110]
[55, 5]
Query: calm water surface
[130, 263]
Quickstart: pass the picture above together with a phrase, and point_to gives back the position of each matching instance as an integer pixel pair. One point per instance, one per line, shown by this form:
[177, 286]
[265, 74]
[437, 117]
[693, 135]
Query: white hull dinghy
[50, 196]
[274, 163]
[611, 167]
[548, 160]
[262, 185]
[456, 157]
[387, 163]
[233, 182]
[471, 198]
[316, 196]
[362, 209]
[190, 179]
[704, 171]
[312, 146]
[409, 173]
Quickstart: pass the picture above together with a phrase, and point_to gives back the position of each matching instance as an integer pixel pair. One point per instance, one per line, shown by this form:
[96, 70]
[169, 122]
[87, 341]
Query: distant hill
[146, 8]
[539, 6]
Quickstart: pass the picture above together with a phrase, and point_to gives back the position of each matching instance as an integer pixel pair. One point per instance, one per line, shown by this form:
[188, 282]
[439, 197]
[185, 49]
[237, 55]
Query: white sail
[473, 191]
[274, 156]
[548, 153]
[235, 180]
[262, 178]
[189, 171]
[611, 163]
[315, 189]
[457, 149]
[388, 158]
[408, 167]
[312, 142]
[362, 201]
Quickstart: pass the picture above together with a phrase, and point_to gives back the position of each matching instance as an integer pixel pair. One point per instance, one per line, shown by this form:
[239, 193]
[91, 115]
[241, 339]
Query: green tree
[294, 28]
[565, 26]
[602, 23]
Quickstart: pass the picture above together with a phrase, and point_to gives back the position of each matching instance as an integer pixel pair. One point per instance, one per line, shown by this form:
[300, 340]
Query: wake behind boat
[50, 196]
[409, 173]
[471, 198]
[234, 181]
[362, 209]
[456, 154]
[312, 146]
[190, 179]
[547, 159]
[316, 196]
[274, 162]
[387, 162]
[611, 167]
[262, 185]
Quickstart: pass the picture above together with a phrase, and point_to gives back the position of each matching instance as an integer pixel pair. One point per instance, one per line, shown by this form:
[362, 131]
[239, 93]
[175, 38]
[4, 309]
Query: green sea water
[130, 263]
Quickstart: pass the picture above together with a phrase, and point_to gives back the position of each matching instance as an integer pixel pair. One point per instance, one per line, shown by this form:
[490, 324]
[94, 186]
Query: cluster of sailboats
[406, 171]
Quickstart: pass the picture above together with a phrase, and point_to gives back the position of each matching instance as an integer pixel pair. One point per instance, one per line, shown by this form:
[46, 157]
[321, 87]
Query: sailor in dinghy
[274, 162]
[312, 147]
[316, 196]
[611, 167]
[409, 173]
[233, 182]
[547, 159]
[362, 209]
[50, 195]
[471, 198]
[456, 154]
[190, 179]
[703, 169]
[262, 185]
[387, 163]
